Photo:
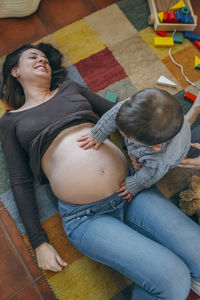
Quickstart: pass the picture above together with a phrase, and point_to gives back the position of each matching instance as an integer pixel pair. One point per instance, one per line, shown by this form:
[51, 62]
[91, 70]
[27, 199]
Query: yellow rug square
[2, 109]
[78, 41]
[148, 34]
[92, 281]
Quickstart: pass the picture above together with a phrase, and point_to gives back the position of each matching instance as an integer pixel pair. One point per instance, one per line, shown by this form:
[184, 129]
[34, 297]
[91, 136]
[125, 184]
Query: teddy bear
[190, 199]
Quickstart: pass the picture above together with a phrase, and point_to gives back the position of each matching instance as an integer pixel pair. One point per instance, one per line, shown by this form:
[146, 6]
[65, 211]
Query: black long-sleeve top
[26, 135]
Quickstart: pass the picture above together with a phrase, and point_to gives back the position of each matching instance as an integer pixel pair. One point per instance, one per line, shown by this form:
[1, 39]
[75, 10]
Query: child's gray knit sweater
[156, 163]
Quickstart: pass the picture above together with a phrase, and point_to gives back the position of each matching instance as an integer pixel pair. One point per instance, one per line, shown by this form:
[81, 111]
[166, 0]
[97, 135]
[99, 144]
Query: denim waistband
[71, 209]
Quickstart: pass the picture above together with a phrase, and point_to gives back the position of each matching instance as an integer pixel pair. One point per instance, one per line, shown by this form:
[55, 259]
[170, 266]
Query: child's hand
[124, 193]
[88, 142]
[136, 165]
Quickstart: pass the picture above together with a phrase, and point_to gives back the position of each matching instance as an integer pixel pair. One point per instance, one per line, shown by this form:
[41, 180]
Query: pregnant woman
[147, 239]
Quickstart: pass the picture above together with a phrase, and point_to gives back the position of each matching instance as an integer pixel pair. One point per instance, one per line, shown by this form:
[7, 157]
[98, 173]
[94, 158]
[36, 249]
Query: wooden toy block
[172, 17]
[163, 41]
[187, 19]
[160, 16]
[158, 6]
[197, 44]
[178, 5]
[162, 80]
[111, 96]
[166, 17]
[192, 36]
[196, 62]
[162, 33]
[185, 10]
[179, 17]
[178, 38]
[190, 96]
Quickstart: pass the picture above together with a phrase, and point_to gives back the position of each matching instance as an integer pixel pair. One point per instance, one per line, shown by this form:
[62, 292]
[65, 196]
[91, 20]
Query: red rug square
[100, 70]
[192, 296]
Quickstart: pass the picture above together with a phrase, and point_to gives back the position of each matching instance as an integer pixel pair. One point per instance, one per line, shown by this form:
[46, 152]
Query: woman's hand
[191, 162]
[136, 165]
[124, 193]
[88, 141]
[48, 258]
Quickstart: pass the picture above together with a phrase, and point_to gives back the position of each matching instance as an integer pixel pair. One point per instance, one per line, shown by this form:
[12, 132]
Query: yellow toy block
[197, 62]
[163, 41]
[178, 5]
[160, 16]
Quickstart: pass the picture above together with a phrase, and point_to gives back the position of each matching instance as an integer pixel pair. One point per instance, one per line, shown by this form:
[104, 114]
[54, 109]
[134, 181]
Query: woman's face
[33, 64]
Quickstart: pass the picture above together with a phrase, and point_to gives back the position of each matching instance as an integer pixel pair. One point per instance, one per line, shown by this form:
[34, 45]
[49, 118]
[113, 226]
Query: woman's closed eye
[36, 57]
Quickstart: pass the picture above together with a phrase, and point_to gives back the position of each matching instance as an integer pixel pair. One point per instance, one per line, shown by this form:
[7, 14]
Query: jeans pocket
[71, 225]
[120, 210]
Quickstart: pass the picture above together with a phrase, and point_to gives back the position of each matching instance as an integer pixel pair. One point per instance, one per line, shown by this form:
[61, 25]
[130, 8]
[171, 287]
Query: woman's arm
[191, 116]
[194, 111]
[22, 186]
[21, 180]
[193, 163]
[48, 258]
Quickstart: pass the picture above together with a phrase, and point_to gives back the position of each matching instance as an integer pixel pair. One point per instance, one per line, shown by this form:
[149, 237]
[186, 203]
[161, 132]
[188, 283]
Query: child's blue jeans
[149, 240]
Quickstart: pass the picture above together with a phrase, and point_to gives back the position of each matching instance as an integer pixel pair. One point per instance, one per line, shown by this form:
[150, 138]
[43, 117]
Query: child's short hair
[151, 116]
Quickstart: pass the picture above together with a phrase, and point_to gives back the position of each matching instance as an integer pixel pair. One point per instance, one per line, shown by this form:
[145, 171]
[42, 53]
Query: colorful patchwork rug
[110, 50]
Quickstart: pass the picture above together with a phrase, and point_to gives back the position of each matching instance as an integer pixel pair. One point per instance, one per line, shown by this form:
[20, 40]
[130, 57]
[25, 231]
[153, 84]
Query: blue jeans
[149, 240]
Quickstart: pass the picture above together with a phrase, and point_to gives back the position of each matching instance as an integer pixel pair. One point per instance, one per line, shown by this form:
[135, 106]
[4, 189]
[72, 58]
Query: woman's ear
[156, 147]
[14, 72]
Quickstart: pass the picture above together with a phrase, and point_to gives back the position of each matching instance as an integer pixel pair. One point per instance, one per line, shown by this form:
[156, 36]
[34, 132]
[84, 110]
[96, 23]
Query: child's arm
[149, 174]
[100, 132]
[107, 124]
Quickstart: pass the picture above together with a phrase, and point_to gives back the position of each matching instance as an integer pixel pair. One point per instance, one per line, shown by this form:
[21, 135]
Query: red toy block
[162, 33]
[197, 43]
[190, 96]
[172, 17]
[166, 17]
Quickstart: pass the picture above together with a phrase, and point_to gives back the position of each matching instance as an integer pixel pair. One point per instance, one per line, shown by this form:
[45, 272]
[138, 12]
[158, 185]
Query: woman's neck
[37, 94]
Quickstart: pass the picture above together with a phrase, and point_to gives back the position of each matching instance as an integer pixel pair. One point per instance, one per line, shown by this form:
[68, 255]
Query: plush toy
[190, 199]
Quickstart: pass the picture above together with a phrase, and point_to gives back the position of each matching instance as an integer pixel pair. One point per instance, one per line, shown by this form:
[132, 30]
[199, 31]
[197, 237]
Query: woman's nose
[43, 59]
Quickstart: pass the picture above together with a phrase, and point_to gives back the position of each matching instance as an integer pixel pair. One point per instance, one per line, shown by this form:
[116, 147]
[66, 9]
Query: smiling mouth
[41, 67]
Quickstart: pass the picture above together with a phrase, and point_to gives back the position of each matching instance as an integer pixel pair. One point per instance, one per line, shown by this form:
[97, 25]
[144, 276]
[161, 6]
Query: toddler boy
[157, 136]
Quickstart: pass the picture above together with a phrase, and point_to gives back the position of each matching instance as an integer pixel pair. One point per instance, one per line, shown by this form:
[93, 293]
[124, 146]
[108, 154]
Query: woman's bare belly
[83, 176]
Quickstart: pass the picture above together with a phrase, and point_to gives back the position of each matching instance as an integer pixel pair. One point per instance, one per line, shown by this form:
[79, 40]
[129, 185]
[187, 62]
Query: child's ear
[156, 147]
